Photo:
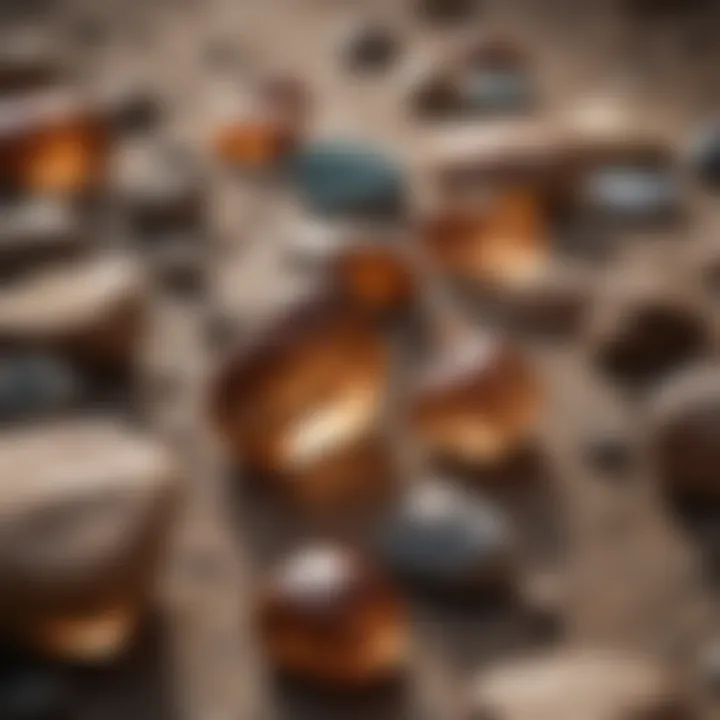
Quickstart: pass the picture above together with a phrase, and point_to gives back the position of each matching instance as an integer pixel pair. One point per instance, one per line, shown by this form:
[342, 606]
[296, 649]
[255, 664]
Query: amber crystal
[503, 243]
[301, 402]
[477, 404]
[53, 145]
[374, 276]
[328, 617]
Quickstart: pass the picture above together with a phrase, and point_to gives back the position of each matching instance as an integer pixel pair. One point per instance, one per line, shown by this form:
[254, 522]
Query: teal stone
[340, 178]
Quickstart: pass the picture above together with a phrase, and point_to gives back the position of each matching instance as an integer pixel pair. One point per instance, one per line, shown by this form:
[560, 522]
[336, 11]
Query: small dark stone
[348, 178]
[31, 690]
[705, 156]
[650, 342]
[434, 97]
[370, 47]
[134, 111]
[447, 10]
[611, 455]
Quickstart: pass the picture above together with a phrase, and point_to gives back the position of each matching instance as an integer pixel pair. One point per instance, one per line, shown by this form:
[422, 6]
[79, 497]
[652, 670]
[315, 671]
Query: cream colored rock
[84, 514]
[590, 684]
[92, 307]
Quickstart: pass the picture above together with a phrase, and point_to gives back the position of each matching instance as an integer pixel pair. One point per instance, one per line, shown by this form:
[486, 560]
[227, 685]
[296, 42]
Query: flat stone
[83, 517]
[447, 539]
[92, 308]
[606, 684]
[347, 177]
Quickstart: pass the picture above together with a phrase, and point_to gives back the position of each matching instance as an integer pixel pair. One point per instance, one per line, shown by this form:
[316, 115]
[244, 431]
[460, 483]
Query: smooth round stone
[633, 191]
[345, 177]
[490, 90]
[606, 684]
[705, 155]
[31, 690]
[34, 384]
[370, 47]
[446, 539]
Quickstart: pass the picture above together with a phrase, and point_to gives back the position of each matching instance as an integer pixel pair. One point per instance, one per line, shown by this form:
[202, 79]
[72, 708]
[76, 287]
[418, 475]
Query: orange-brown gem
[54, 149]
[375, 277]
[302, 404]
[328, 617]
[503, 243]
[477, 406]
[252, 142]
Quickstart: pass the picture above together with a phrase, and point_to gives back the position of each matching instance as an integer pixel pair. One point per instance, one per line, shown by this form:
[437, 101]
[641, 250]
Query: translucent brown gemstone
[477, 405]
[328, 617]
[504, 243]
[302, 403]
[376, 277]
[52, 146]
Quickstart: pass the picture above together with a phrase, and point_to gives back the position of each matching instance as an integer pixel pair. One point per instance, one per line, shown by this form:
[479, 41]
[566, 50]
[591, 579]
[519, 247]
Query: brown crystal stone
[374, 276]
[477, 405]
[84, 514]
[302, 403]
[328, 617]
[503, 243]
[52, 145]
[685, 433]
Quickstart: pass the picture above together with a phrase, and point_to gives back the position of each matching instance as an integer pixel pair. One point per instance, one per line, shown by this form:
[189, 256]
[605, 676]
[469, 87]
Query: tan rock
[592, 684]
[92, 308]
[84, 512]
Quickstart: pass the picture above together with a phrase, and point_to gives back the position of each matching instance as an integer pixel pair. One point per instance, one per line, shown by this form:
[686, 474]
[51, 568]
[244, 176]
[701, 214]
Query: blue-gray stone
[34, 384]
[341, 177]
[490, 90]
[445, 538]
[633, 191]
